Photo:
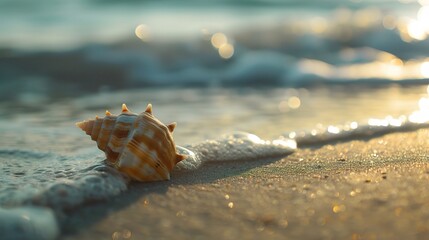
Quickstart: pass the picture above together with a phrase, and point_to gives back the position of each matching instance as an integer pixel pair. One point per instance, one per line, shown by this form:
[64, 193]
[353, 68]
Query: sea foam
[53, 184]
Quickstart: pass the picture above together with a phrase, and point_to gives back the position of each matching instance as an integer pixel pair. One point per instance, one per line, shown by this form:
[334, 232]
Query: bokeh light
[424, 69]
[218, 40]
[421, 115]
[142, 32]
[226, 51]
[416, 30]
[423, 18]
[294, 102]
[333, 130]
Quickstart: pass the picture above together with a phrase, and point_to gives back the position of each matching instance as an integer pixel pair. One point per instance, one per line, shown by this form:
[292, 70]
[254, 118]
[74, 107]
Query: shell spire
[87, 126]
[138, 145]
[81, 125]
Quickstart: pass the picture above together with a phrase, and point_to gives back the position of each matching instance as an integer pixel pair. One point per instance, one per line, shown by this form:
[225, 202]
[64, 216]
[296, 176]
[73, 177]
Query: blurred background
[51, 48]
[263, 66]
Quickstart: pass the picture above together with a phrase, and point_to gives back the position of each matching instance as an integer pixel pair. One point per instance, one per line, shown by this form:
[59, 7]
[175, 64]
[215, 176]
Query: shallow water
[46, 161]
[208, 113]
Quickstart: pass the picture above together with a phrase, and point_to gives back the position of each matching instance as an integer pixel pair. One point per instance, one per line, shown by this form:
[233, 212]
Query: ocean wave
[312, 52]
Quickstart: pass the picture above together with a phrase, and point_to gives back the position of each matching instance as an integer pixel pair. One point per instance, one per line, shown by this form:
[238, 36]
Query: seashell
[138, 145]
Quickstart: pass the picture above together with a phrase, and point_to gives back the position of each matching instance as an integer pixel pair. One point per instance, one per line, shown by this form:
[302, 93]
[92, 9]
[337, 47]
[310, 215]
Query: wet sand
[362, 189]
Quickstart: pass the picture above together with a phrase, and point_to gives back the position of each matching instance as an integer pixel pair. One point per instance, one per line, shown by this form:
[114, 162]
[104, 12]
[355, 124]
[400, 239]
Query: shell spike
[108, 113]
[149, 109]
[124, 108]
[180, 157]
[172, 126]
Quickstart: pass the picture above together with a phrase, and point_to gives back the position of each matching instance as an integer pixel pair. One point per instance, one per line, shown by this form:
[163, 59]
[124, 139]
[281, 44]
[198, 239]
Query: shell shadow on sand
[206, 174]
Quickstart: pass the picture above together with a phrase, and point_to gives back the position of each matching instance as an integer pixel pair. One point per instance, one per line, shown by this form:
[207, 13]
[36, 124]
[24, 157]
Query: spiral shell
[138, 145]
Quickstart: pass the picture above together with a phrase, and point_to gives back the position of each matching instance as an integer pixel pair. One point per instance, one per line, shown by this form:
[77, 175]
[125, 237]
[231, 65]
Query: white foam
[352, 131]
[28, 223]
[239, 146]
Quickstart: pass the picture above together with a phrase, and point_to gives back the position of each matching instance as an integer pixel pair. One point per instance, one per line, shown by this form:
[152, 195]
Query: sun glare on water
[422, 115]
[424, 69]
[418, 29]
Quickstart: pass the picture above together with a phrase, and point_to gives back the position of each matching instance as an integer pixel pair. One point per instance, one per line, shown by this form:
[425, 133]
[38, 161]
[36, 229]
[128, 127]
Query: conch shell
[138, 145]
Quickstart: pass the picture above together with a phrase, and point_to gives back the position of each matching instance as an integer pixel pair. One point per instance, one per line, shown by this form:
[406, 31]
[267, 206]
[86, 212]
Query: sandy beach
[245, 81]
[361, 189]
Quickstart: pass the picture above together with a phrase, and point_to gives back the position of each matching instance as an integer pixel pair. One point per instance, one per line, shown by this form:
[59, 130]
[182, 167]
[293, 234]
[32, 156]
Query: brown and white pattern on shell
[138, 145]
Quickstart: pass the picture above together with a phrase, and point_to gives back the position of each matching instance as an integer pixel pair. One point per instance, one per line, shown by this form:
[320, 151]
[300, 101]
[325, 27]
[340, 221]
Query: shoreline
[357, 189]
